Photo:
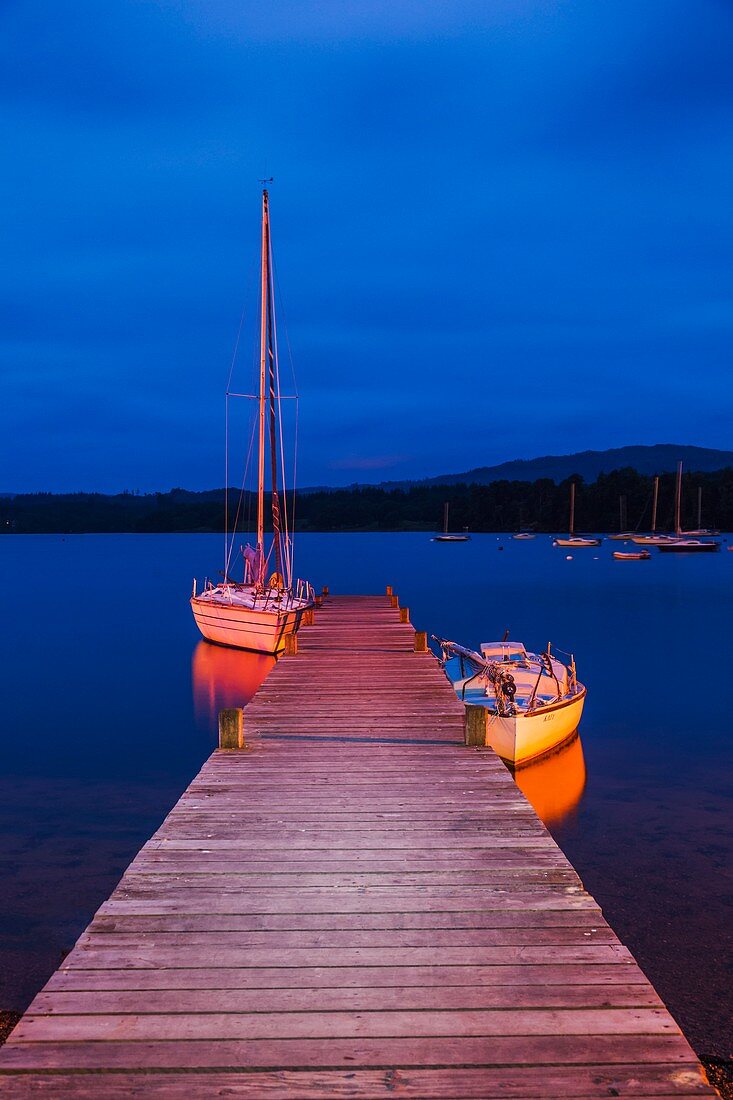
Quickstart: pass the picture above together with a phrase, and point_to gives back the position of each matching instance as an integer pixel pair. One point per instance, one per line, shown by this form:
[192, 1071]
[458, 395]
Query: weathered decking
[357, 906]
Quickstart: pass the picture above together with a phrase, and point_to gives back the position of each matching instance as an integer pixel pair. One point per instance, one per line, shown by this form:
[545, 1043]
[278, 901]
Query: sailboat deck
[357, 905]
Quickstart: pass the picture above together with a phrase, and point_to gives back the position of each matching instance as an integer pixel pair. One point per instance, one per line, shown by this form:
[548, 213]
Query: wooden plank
[355, 906]
[329, 977]
[251, 1026]
[589, 1082]
[384, 998]
[354, 1052]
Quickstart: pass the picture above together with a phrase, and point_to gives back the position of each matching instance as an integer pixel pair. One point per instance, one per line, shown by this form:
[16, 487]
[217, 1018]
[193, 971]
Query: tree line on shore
[501, 506]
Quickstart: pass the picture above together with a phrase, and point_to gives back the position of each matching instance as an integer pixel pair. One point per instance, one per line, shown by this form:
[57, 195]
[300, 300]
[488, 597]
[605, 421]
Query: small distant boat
[445, 537]
[523, 535]
[632, 555]
[688, 546]
[652, 540]
[622, 535]
[705, 532]
[534, 701]
[573, 541]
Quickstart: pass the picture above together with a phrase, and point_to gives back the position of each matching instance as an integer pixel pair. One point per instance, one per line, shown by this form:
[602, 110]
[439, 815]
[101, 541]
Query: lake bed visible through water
[110, 707]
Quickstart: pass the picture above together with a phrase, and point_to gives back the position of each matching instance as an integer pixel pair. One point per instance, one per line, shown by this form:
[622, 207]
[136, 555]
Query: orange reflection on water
[555, 784]
[225, 677]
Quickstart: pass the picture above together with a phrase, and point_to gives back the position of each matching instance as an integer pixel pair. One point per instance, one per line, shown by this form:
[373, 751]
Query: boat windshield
[503, 651]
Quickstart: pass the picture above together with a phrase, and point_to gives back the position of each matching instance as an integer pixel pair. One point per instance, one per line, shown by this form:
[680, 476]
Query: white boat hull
[576, 543]
[524, 737]
[262, 631]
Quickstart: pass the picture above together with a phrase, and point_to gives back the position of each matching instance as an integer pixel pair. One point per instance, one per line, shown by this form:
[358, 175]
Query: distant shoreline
[621, 500]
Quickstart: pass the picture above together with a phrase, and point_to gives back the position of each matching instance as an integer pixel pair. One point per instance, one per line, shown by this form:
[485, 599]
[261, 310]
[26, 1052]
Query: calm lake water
[110, 701]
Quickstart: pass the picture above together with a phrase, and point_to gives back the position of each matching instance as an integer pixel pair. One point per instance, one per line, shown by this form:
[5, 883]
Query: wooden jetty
[356, 905]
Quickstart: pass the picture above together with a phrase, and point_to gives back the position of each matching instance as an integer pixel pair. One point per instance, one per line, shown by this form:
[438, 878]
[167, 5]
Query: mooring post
[404, 614]
[389, 589]
[307, 619]
[394, 601]
[325, 590]
[421, 641]
[231, 728]
[476, 725]
[318, 601]
[291, 645]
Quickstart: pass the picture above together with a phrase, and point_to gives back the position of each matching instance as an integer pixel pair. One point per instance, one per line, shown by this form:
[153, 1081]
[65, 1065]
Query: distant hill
[661, 458]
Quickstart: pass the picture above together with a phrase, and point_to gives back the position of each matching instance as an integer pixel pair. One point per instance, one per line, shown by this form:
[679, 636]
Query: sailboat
[574, 541]
[653, 539]
[700, 530]
[445, 537]
[623, 535]
[534, 700]
[681, 544]
[268, 604]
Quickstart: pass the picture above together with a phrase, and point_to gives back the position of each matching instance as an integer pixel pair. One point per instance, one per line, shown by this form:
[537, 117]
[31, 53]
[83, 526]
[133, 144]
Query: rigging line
[274, 500]
[295, 396]
[281, 308]
[241, 493]
[286, 530]
[295, 464]
[236, 347]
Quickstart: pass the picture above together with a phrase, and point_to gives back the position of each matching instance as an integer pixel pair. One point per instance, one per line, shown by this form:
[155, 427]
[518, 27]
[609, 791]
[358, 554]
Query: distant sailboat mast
[678, 502]
[654, 505]
[445, 518]
[571, 528]
[699, 507]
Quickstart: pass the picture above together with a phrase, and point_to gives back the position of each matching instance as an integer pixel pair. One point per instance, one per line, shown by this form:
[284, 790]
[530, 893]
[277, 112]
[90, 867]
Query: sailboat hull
[525, 737]
[573, 543]
[261, 631]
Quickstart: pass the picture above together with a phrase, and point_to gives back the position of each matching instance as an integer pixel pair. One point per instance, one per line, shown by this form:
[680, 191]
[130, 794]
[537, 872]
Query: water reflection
[555, 784]
[224, 677]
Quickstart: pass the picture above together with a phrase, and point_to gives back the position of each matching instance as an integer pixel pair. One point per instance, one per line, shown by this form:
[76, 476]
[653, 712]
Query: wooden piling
[389, 589]
[325, 590]
[231, 728]
[404, 614]
[421, 641]
[394, 601]
[291, 645]
[477, 725]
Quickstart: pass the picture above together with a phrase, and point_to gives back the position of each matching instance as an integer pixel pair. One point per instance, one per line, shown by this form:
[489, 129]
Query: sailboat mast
[264, 281]
[678, 502]
[275, 497]
[699, 507]
[445, 518]
[654, 505]
[572, 508]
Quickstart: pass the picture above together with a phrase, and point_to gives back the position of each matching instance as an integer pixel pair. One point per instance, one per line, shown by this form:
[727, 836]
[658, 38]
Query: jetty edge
[350, 902]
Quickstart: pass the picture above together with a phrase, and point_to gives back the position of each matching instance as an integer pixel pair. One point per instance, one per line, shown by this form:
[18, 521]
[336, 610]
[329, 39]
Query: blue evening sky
[502, 229]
